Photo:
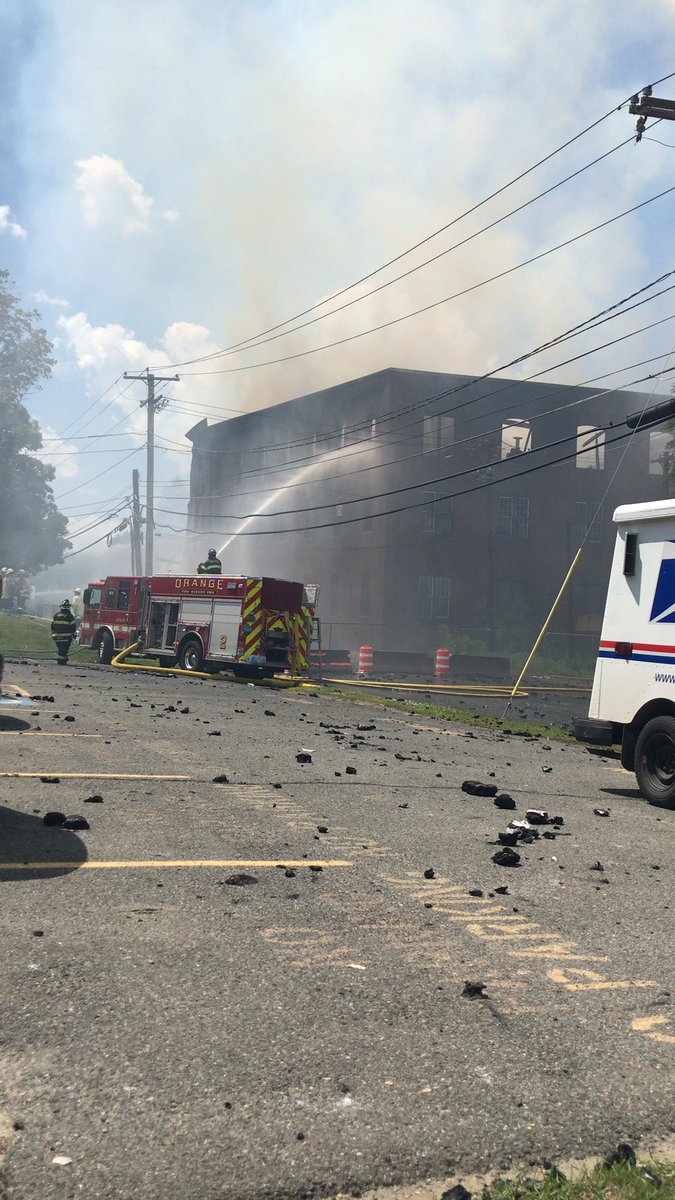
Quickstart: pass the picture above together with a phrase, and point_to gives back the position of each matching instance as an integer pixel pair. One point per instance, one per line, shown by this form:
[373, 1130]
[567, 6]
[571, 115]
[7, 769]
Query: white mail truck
[633, 698]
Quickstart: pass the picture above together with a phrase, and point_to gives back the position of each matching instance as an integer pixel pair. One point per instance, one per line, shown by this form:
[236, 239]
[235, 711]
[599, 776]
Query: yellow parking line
[259, 863]
[85, 775]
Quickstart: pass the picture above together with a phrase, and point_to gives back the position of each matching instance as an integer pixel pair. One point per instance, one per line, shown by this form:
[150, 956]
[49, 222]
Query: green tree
[32, 530]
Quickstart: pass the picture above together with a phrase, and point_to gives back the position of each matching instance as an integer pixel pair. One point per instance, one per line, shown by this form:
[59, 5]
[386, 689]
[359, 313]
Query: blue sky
[176, 176]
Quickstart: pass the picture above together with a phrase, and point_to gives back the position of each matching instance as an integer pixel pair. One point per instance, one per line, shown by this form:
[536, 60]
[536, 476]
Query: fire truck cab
[251, 626]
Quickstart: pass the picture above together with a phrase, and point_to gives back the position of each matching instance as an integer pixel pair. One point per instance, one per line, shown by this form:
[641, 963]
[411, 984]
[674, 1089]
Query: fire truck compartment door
[225, 628]
[162, 624]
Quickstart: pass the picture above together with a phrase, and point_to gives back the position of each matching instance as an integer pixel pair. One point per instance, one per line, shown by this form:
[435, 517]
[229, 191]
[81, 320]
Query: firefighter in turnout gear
[64, 628]
[212, 565]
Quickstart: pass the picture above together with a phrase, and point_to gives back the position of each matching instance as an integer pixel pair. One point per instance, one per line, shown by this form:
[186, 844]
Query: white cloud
[110, 196]
[41, 297]
[107, 351]
[8, 225]
[171, 214]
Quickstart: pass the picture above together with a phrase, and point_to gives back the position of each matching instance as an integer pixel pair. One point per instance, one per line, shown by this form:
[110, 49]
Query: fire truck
[253, 626]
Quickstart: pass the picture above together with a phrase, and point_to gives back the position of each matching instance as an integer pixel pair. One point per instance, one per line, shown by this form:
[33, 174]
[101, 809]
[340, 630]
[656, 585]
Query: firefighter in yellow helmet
[211, 566]
[64, 629]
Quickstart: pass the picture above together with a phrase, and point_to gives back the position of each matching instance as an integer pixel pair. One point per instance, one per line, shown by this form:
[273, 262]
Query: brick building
[425, 514]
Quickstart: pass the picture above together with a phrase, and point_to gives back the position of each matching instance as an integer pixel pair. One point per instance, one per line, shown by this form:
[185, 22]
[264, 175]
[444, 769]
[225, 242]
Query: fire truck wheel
[191, 656]
[105, 648]
[655, 761]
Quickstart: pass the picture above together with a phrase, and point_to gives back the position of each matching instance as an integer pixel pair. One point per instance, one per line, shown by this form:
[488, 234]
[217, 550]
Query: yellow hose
[118, 661]
[443, 689]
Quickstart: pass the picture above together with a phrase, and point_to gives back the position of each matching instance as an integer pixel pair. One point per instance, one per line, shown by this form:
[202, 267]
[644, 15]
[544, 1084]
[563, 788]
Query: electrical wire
[401, 508]
[106, 536]
[113, 467]
[399, 491]
[451, 447]
[423, 241]
[586, 325]
[367, 444]
[437, 303]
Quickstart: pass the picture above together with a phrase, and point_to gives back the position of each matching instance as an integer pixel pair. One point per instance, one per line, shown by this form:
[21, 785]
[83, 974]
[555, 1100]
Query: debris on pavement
[54, 818]
[506, 857]
[474, 991]
[456, 1192]
[93, 799]
[473, 787]
[503, 800]
[76, 822]
[241, 880]
[303, 757]
[601, 812]
[624, 1153]
[430, 873]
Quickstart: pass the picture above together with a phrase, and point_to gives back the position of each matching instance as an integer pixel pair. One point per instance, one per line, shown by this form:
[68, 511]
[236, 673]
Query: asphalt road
[174, 1034]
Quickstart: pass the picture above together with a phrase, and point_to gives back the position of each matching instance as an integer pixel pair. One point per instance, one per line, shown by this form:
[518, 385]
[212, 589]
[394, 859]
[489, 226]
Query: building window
[590, 448]
[516, 437]
[365, 594]
[436, 513]
[513, 519]
[437, 432]
[584, 512]
[434, 596]
[659, 452]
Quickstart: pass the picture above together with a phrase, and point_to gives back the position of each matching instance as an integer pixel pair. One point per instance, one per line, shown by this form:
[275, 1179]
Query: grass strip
[441, 713]
[646, 1181]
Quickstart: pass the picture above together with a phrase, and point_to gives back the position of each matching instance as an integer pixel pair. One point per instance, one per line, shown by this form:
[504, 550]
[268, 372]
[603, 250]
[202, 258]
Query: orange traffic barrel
[443, 658]
[365, 660]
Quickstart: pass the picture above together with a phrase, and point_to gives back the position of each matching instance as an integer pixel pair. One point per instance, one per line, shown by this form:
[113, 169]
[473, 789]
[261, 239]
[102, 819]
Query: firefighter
[77, 606]
[22, 591]
[64, 629]
[212, 565]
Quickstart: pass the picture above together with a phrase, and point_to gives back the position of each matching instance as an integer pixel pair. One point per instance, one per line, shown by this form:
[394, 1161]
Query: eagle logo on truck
[663, 608]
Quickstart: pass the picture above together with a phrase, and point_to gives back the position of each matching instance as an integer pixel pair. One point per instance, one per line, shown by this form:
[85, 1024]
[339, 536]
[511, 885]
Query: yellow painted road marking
[646, 1024]
[595, 982]
[88, 865]
[86, 775]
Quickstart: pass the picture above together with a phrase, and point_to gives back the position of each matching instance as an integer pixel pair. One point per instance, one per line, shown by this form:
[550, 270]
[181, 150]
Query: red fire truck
[251, 626]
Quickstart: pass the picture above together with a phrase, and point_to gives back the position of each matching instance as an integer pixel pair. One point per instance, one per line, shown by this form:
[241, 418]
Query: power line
[398, 491]
[437, 303]
[94, 478]
[401, 508]
[584, 326]
[417, 245]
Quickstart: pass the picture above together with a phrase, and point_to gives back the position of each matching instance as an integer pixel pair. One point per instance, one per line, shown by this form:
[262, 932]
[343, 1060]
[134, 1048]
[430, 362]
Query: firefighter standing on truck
[64, 629]
[211, 566]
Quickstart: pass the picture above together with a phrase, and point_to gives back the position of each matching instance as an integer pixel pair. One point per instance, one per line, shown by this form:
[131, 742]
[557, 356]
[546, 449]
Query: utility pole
[136, 559]
[153, 404]
[650, 106]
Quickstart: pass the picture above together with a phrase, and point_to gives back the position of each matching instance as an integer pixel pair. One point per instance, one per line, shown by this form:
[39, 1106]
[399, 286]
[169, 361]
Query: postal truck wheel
[655, 761]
